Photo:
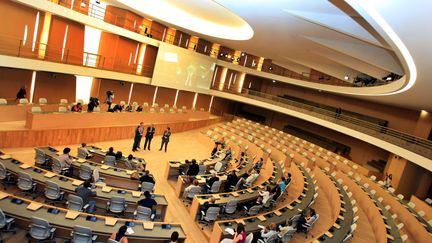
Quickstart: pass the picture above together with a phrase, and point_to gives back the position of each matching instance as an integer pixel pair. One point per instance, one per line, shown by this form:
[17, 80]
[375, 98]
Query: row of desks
[98, 155]
[278, 216]
[68, 185]
[65, 220]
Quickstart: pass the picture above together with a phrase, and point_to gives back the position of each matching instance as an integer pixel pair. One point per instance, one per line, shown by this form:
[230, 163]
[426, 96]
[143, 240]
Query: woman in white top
[265, 194]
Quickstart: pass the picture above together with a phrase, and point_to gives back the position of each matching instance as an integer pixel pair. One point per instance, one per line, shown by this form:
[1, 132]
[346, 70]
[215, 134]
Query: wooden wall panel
[185, 98]
[54, 86]
[13, 19]
[143, 93]
[181, 39]
[203, 101]
[74, 46]
[204, 47]
[107, 49]
[126, 50]
[11, 80]
[121, 90]
[149, 60]
[58, 137]
[165, 96]
[226, 51]
[157, 30]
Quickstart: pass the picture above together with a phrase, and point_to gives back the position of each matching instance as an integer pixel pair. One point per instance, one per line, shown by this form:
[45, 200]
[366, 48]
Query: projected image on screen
[182, 69]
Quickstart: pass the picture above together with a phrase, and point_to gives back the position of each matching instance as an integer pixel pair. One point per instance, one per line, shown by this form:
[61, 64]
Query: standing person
[22, 93]
[165, 138]
[149, 136]
[138, 135]
[109, 98]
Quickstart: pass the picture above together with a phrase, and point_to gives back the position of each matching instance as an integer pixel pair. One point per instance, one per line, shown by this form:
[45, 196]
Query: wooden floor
[186, 145]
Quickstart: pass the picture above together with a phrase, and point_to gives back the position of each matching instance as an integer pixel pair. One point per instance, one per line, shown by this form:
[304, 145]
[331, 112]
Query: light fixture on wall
[270, 68]
[242, 54]
[274, 81]
[346, 77]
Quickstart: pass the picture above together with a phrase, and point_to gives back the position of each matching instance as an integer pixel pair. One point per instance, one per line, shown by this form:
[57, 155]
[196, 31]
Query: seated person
[117, 108]
[231, 181]
[265, 233]
[147, 177]
[195, 184]
[147, 201]
[119, 155]
[85, 193]
[193, 169]
[228, 155]
[66, 161]
[77, 107]
[282, 183]
[139, 109]
[120, 236]
[265, 194]
[85, 151]
[259, 164]
[243, 156]
[214, 151]
[133, 164]
[221, 142]
[184, 167]
[306, 220]
[129, 108]
[239, 236]
[210, 181]
[210, 203]
[110, 152]
[93, 102]
[257, 202]
[285, 229]
[276, 192]
[252, 177]
[288, 180]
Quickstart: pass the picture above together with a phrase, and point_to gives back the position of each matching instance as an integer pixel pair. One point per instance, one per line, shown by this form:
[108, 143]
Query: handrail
[97, 12]
[412, 143]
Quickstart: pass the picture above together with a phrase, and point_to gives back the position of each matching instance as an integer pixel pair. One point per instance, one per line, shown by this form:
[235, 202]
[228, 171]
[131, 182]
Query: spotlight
[270, 68]
[140, 27]
[346, 77]
[242, 54]
[229, 56]
[274, 81]
[389, 78]
[221, 54]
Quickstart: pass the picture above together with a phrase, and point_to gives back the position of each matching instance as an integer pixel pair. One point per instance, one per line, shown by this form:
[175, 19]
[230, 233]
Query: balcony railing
[41, 51]
[412, 143]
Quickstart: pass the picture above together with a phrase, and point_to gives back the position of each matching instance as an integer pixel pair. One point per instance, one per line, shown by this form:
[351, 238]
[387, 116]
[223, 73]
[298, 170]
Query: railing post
[19, 48]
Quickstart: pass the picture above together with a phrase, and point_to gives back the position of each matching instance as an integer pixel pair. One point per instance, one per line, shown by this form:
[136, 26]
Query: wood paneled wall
[54, 86]
[165, 96]
[11, 80]
[185, 98]
[58, 137]
[143, 93]
[121, 90]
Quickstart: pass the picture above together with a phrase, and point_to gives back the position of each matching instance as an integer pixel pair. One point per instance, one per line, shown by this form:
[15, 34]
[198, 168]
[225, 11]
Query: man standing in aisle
[165, 138]
[138, 135]
[149, 136]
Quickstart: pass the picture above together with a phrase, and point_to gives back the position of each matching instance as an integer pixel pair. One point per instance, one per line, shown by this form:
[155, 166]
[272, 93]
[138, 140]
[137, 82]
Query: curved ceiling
[338, 38]
[202, 16]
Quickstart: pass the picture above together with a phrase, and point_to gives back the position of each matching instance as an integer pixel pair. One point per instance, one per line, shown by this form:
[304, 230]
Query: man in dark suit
[165, 138]
[149, 136]
[138, 136]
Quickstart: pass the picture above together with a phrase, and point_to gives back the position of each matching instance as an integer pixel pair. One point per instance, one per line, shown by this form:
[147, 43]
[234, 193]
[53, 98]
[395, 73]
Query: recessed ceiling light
[346, 77]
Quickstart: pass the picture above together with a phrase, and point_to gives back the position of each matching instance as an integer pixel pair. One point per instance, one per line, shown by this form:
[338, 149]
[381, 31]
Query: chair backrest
[75, 202]
[112, 241]
[110, 160]
[117, 204]
[2, 219]
[254, 210]
[202, 169]
[82, 153]
[249, 238]
[274, 238]
[146, 104]
[347, 238]
[39, 228]
[194, 191]
[180, 110]
[161, 110]
[171, 110]
[152, 110]
[212, 213]
[63, 101]
[36, 109]
[82, 234]
[143, 213]
[85, 172]
[184, 107]
[25, 181]
[62, 109]
[231, 206]
[147, 186]
[96, 109]
[122, 102]
[215, 187]
[56, 165]
[52, 190]
[3, 102]
[238, 184]
[218, 166]
[96, 175]
[23, 101]
[155, 105]
[43, 101]
[3, 171]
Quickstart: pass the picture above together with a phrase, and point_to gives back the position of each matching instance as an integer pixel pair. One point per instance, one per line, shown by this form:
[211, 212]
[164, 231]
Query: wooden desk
[101, 119]
[251, 223]
[113, 176]
[100, 227]
[67, 186]
[98, 155]
[15, 112]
